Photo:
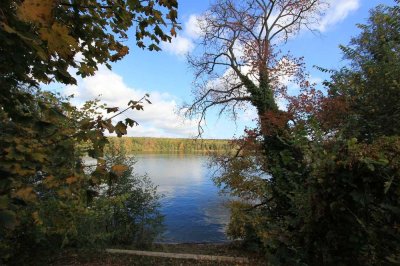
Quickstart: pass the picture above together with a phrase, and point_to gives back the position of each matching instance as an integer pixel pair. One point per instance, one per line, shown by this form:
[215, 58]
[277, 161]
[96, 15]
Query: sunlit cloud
[338, 11]
[184, 42]
[179, 46]
[193, 27]
[159, 119]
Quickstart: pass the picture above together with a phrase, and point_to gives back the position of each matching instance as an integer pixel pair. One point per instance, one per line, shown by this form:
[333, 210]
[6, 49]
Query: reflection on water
[194, 212]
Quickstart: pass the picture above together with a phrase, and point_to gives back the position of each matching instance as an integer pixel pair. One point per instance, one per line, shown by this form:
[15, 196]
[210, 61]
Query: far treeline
[172, 145]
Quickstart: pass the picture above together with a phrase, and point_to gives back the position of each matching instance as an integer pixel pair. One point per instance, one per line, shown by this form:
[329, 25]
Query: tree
[126, 209]
[328, 192]
[41, 39]
[44, 185]
[42, 136]
[370, 85]
[239, 63]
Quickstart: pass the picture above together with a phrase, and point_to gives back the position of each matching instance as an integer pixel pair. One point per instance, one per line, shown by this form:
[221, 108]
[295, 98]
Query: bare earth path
[198, 257]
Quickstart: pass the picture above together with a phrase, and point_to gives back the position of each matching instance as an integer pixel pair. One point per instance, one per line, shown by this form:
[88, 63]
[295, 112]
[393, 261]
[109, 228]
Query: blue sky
[167, 78]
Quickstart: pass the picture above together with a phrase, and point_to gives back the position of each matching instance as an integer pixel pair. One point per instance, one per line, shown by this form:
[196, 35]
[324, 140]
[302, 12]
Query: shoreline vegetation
[171, 145]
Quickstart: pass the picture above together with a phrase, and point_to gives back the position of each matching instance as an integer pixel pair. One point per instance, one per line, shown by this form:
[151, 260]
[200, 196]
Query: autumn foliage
[319, 183]
[44, 185]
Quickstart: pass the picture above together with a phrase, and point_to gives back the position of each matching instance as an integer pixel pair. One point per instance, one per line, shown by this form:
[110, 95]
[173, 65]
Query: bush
[126, 209]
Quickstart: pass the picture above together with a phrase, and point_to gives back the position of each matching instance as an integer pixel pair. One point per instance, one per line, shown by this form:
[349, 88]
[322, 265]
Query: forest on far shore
[172, 145]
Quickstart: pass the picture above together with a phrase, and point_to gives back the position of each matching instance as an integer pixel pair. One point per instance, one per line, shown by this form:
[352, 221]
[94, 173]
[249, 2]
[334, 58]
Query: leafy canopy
[44, 186]
[41, 39]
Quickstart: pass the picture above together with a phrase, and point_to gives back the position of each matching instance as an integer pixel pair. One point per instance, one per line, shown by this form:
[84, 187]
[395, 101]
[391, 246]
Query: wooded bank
[171, 145]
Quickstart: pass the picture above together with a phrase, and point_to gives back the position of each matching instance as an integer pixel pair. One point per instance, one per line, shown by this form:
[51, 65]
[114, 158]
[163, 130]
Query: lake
[193, 209]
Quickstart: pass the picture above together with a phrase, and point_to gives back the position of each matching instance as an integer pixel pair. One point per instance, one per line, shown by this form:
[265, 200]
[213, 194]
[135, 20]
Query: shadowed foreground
[207, 251]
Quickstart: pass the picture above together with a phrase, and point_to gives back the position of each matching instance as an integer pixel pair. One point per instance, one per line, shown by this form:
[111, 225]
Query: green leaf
[112, 110]
[154, 47]
[3, 202]
[132, 103]
[139, 107]
[108, 125]
[120, 129]
[388, 184]
[8, 219]
[131, 122]
[393, 260]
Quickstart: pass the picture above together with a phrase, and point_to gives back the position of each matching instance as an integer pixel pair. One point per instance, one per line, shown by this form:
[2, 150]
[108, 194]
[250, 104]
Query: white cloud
[179, 46]
[183, 43]
[157, 120]
[193, 27]
[334, 12]
[338, 11]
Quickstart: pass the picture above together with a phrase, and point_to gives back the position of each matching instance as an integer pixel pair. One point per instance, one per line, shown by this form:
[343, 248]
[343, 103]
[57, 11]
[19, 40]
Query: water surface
[193, 209]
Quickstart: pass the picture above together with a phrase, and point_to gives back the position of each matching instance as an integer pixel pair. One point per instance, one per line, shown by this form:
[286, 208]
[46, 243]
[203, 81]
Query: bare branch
[238, 53]
[264, 203]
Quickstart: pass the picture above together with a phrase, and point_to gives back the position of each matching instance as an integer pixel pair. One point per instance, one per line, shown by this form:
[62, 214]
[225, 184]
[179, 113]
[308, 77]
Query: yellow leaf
[119, 169]
[87, 69]
[39, 157]
[64, 192]
[36, 218]
[58, 40]
[36, 11]
[173, 32]
[72, 179]
[50, 182]
[7, 28]
[101, 161]
[123, 51]
[26, 194]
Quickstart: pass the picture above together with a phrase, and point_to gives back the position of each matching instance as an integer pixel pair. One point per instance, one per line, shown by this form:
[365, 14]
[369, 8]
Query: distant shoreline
[168, 138]
[171, 145]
